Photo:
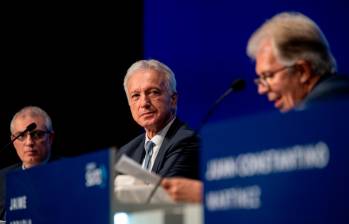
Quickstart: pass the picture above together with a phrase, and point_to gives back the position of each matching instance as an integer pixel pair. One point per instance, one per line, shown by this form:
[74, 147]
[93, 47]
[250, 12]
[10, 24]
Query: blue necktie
[148, 153]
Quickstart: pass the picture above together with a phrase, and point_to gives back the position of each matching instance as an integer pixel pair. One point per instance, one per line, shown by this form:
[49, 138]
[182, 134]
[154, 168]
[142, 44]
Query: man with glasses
[294, 64]
[33, 147]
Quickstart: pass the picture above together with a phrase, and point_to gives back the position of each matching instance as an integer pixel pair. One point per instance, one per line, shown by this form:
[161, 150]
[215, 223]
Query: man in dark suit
[150, 87]
[294, 63]
[33, 148]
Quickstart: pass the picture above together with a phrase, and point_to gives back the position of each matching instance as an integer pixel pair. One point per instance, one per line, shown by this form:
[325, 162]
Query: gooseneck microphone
[236, 86]
[29, 128]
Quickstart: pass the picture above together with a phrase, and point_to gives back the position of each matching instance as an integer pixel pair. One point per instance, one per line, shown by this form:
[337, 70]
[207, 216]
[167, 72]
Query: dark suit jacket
[178, 154]
[3, 173]
[329, 88]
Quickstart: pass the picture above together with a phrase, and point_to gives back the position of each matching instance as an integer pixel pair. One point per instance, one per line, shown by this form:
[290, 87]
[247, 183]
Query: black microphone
[236, 86]
[29, 128]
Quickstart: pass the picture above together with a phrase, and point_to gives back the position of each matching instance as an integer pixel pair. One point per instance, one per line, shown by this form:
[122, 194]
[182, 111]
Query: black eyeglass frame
[263, 79]
[35, 135]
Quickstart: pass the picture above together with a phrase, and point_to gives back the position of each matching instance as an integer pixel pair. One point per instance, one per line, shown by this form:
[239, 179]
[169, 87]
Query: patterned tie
[148, 153]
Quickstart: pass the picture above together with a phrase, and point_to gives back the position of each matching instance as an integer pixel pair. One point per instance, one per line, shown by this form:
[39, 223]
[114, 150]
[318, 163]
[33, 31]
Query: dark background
[70, 60]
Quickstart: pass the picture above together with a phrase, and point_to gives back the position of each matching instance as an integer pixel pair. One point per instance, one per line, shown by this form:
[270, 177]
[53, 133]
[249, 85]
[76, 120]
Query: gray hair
[294, 36]
[32, 111]
[154, 65]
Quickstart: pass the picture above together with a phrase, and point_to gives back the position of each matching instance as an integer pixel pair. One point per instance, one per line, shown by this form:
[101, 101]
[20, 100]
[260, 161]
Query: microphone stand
[156, 186]
[236, 86]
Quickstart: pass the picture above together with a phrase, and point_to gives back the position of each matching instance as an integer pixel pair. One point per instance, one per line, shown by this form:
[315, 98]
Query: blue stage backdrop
[204, 43]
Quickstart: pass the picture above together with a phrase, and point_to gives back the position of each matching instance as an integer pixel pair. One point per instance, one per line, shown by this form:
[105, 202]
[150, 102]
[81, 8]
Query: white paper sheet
[128, 166]
[137, 183]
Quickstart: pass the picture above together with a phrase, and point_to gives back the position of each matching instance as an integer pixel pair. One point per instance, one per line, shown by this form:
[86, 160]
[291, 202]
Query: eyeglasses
[263, 79]
[34, 135]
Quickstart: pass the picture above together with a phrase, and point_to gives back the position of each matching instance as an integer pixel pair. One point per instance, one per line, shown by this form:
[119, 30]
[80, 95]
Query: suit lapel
[140, 151]
[166, 144]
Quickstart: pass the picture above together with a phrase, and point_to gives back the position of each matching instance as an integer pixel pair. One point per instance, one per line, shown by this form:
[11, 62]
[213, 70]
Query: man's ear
[52, 136]
[305, 70]
[174, 97]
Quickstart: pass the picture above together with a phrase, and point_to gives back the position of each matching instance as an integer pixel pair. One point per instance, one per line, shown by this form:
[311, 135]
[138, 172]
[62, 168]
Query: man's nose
[28, 139]
[145, 100]
[262, 89]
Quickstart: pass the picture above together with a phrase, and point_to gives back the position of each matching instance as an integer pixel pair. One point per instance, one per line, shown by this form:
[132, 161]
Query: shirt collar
[43, 162]
[160, 136]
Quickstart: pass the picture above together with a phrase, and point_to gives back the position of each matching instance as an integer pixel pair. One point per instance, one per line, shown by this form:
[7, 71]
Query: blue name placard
[278, 168]
[73, 190]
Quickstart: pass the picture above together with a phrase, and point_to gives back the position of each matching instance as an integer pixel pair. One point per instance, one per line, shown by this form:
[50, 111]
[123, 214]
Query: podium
[278, 168]
[81, 190]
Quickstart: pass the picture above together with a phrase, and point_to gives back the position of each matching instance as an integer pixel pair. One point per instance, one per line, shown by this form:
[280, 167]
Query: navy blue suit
[329, 88]
[178, 154]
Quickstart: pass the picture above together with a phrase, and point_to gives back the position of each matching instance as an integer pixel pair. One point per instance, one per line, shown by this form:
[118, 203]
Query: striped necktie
[148, 153]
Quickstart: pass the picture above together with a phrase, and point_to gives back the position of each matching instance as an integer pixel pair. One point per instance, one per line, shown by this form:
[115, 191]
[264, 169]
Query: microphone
[29, 128]
[236, 86]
